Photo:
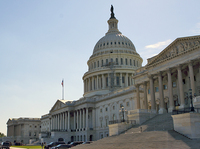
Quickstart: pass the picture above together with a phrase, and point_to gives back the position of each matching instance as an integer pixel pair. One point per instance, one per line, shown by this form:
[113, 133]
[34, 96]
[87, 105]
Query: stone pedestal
[141, 115]
[187, 124]
[196, 102]
[116, 129]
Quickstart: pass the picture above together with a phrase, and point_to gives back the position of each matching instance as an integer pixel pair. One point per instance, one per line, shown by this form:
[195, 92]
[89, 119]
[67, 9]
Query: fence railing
[185, 110]
[120, 121]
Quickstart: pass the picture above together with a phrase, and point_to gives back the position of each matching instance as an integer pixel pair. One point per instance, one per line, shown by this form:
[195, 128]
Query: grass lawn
[24, 146]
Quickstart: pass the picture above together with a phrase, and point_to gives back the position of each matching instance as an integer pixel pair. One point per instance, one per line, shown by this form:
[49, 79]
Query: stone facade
[23, 130]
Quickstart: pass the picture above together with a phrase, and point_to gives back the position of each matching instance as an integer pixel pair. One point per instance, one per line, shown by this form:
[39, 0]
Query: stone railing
[121, 121]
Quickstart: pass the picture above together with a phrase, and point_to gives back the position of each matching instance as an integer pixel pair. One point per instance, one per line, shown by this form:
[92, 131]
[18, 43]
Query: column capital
[137, 85]
[179, 66]
[159, 73]
[144, 83]
[190, 62]
[150, 76]
[169, 70]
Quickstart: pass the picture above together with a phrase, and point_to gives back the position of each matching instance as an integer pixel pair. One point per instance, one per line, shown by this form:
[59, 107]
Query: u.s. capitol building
[116, 79]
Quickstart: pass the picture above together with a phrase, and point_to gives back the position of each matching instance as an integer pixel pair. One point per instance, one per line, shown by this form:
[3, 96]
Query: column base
[153, 111]
[162, 111]
[170, 109]
[181, 107]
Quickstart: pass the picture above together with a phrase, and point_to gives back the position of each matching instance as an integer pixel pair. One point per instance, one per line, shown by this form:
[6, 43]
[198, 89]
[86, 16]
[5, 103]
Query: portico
[169, 77]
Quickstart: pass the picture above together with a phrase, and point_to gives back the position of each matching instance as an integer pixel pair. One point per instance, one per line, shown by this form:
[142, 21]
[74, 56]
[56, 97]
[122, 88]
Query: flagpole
[62, 89]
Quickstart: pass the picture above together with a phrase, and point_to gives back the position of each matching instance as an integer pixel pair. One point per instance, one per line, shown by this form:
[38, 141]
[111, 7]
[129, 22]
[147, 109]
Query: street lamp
[190, 96]
[122, 111]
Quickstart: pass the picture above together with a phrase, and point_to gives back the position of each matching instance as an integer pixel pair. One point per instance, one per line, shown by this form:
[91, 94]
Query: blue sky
[42, 42]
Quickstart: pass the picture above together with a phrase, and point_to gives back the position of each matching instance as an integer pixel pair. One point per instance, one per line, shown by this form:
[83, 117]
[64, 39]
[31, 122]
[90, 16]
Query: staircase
[156, 133]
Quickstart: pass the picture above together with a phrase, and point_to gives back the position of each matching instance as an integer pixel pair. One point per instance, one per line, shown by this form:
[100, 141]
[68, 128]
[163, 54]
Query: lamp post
[122, 110]
[190, 96]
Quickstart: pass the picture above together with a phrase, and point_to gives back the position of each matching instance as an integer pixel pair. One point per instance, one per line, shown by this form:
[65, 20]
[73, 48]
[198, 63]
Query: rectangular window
[126, 61]
[156, 89]
[183, 81]
[106, 61]
[149, 91]
[94, 64]
[127, 104]
[101, 63]
[122, 79]
[116, 61]
[107, 81]
[134, 62]
[164, 87]
[117, 79]
[98, 64]
[121, 61]
[101, 110]
[111, 60]
[174, 84]
[29, 133]
[130, 62]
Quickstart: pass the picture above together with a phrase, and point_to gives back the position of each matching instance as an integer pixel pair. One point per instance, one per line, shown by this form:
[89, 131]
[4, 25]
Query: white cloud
[158, 45]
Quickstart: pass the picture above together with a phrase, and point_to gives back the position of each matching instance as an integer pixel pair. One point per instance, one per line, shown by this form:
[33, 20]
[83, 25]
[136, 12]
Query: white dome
[113, 40]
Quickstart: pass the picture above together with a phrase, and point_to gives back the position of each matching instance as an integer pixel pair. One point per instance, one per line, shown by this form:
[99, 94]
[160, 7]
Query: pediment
[58, 105]
[177, 47]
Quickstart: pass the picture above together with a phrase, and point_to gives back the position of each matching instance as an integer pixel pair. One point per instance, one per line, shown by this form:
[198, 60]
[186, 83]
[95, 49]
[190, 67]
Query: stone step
[156, 139]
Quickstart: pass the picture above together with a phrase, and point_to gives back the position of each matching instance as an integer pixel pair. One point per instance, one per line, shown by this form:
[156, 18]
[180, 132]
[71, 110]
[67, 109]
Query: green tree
[2, 134]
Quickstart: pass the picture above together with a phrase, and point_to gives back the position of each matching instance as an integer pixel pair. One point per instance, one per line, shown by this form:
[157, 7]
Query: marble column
[153, 102]
[77, 121]
[93, 83]
[145, 95]
[170, 91]
[130, 81]
[74, 120]
[191, 72]
[138, 95]
[162, 109]
[51, 123]
[97, 84]
[115, 80]
[86, 118]
[93, 118]
[83, 118]
[180, 84]
[89, 84]
[126, 80]
[120, 79]
[80, 125]
[103, 81]
[68, 121]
